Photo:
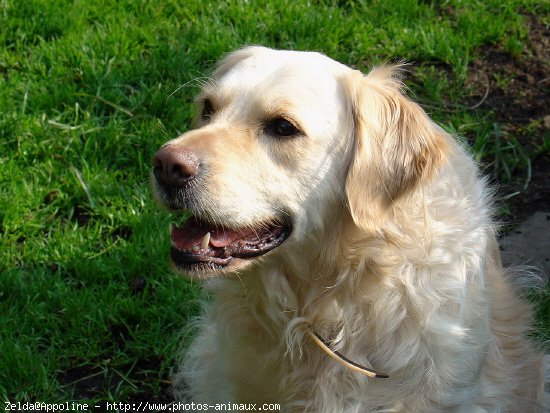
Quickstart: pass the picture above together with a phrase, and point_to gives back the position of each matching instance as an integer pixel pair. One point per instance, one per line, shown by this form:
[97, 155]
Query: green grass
[90, 89]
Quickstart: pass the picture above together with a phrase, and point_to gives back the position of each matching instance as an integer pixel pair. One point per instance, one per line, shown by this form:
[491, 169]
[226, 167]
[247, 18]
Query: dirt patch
[516, 89]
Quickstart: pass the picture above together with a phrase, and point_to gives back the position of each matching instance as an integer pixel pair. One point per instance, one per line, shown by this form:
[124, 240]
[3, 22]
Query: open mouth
[198, 245]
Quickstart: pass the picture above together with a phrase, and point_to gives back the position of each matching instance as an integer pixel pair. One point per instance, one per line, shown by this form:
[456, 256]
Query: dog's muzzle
[200, 244]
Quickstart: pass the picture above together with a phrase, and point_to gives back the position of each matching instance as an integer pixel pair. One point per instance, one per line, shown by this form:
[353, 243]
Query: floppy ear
[396, 145]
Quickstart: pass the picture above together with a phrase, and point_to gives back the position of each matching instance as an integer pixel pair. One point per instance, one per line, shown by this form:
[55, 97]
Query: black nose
[175, 167]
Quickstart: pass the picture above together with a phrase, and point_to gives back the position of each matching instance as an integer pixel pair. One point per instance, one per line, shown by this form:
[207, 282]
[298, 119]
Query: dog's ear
[396, 146]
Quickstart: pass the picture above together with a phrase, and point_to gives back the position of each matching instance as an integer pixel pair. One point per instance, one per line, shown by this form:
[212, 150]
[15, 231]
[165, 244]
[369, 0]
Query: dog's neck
[314, 285]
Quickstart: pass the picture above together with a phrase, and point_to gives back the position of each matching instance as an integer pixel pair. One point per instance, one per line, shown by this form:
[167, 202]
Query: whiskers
[199, 82]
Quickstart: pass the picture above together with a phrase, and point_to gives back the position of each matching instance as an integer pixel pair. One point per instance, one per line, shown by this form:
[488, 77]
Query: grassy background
[89, 90]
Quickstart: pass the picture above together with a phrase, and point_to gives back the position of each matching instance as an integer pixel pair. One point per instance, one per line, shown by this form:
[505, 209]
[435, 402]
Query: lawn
[90, 89]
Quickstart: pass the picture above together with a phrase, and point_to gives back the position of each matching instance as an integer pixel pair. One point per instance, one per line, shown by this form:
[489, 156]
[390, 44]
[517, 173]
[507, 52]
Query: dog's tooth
[170, 229]
[205, 241]
[196, 248]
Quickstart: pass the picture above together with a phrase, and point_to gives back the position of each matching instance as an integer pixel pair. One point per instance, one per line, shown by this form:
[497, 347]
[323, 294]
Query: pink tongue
[193, 232]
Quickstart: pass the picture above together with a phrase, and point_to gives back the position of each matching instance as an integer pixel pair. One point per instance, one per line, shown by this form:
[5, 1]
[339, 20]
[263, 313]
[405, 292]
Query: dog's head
[287, 143]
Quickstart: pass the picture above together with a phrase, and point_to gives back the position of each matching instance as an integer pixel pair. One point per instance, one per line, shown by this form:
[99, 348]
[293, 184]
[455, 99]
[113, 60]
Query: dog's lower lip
[187, 260]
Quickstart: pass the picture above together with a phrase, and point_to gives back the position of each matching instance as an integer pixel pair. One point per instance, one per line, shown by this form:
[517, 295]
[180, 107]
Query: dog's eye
[207, 110]
[282, 127]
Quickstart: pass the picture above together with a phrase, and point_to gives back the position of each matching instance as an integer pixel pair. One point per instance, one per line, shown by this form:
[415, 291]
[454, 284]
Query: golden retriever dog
[346, 245]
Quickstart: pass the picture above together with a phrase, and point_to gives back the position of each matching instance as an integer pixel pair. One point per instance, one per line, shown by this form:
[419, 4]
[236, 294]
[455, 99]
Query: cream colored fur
[393, 255]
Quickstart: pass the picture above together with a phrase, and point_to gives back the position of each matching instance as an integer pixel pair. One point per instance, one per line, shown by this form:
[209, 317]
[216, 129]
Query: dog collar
[340, 358]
